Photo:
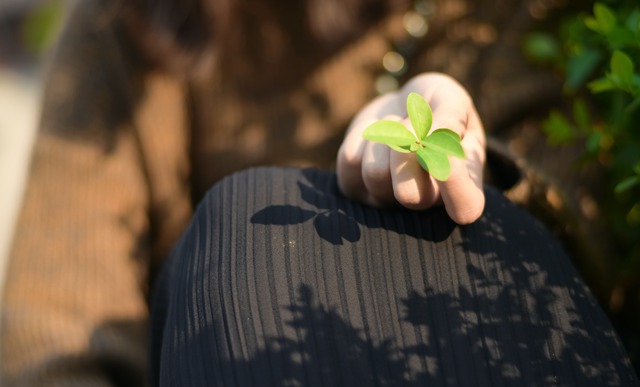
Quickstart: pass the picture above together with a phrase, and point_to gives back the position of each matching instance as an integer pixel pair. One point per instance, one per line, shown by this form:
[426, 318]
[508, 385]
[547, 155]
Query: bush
[598, 53]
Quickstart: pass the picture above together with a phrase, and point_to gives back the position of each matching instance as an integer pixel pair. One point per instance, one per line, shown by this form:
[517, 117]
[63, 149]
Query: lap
[280, 280]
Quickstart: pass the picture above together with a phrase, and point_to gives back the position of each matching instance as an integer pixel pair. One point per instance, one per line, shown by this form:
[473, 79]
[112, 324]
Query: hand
[376, 175]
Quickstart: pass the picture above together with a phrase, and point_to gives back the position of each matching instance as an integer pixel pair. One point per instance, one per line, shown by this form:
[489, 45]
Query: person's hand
[376, 175]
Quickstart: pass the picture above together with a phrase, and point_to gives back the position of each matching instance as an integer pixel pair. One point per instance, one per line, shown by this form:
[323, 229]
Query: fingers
[413, 188]
[463, 198]
[351, 154]
[382, 177]
[349, 163]
[462, 193]
[374, 174]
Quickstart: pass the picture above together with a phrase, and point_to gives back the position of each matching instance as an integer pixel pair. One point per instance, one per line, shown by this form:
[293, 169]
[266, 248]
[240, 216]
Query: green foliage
[432, 150]
[542, 47]
[42, 24]
[599, 60]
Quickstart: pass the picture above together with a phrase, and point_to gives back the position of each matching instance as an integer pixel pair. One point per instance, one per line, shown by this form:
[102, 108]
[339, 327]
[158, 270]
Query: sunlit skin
[374, 174]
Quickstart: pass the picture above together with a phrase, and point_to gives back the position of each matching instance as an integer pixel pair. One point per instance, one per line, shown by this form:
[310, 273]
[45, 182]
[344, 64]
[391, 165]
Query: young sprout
[432, 150]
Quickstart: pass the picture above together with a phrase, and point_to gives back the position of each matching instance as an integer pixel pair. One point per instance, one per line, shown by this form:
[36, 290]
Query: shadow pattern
[334, 218]
[495, 303]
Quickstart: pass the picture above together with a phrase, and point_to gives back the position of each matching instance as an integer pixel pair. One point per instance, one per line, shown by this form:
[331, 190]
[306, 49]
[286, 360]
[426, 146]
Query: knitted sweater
[124, 152]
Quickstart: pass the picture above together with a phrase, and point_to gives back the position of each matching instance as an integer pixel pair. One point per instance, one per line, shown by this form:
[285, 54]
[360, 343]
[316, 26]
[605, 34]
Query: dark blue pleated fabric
[280, 281]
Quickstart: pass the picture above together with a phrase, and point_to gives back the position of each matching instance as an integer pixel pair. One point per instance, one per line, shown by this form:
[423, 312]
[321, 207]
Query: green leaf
[542, 47]
[622, 66]
[444, 141]
[389, 133]
[558, 128]
[437, 164]
[401, 149]
[42, 24]
[605, 17]
[633, 105]
[421, 156]
[593, 142]
[633, 20]
[454, 136]
[633, 217]
[581, 114]
[432, 152]
[627, 184]
[592, 23]
[601, 85]
[420, 114]
[620, 37]
[581, 66]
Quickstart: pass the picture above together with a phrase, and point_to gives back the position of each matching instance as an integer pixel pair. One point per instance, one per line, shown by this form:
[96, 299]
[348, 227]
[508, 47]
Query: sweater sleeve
[74, 311]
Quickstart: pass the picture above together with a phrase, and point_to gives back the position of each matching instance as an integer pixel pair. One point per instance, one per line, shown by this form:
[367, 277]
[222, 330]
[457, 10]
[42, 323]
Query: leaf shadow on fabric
[337, 219]
[493, 303]
[459, 347]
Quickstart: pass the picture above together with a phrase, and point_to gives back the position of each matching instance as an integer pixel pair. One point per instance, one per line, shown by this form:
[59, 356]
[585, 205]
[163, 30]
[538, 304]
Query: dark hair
[180, 34]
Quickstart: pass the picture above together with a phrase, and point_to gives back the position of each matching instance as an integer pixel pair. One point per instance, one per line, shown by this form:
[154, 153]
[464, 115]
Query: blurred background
[592, 47]
[28, 29]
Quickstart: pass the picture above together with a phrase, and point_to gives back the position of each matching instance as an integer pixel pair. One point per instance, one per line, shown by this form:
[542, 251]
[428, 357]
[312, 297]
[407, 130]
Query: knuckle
[376, 174]
[430, 78]
[349, 188]
[348, 157]
[470, 214]
[412, 199]
[377, 180]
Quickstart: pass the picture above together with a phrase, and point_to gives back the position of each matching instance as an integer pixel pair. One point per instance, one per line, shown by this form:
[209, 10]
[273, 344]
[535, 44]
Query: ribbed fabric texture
[281, 281]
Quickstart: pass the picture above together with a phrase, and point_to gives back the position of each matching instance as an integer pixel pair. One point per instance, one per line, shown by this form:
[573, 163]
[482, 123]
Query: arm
[74, 308]
[376, 175]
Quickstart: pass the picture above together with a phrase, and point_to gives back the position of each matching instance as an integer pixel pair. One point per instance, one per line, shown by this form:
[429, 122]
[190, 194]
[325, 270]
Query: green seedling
[432, 150]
